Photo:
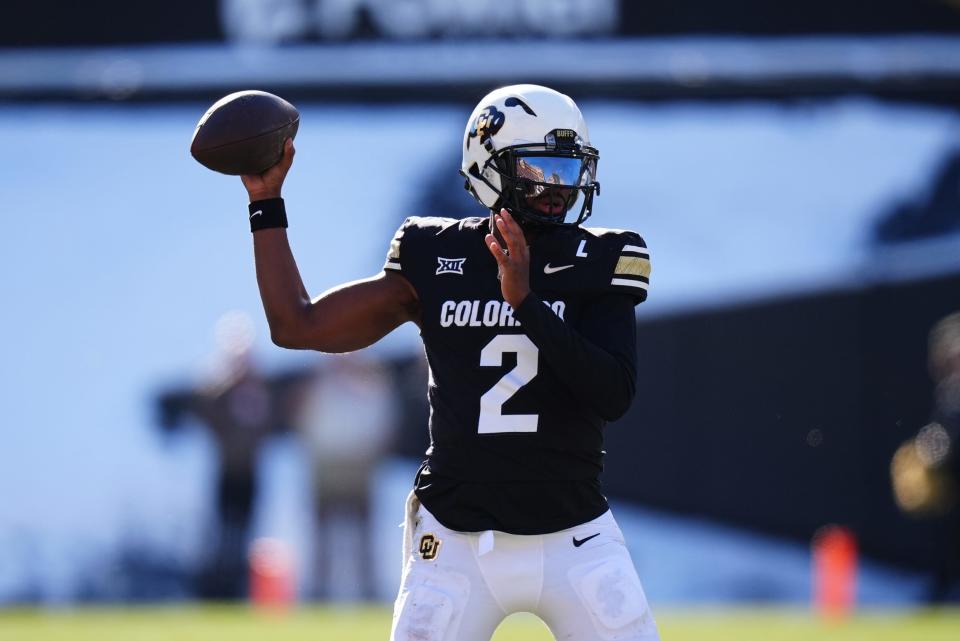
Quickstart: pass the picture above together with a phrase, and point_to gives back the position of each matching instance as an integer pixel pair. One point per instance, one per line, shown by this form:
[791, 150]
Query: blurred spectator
[241, 407]
[347, 419]
[926, 469]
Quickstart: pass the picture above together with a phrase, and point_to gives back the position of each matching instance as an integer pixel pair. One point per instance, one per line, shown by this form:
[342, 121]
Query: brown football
[243, 133]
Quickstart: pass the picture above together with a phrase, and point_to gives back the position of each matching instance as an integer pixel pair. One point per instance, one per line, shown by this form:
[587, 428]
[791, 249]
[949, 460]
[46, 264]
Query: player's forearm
[601, 377]
[285, 299]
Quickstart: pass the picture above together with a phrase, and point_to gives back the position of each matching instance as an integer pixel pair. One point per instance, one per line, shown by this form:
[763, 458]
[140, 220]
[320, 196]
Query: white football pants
[459, 586]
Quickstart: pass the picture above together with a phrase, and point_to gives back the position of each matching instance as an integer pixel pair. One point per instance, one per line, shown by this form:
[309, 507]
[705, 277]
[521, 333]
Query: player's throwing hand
[514, 260]
[269, 183]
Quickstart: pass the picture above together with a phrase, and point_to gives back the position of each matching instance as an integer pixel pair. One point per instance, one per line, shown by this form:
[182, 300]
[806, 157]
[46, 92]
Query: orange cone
[834, 571]
[271, 575]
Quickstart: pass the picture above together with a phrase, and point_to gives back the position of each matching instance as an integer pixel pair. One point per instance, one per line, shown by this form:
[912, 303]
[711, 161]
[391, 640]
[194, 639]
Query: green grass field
[373, 624]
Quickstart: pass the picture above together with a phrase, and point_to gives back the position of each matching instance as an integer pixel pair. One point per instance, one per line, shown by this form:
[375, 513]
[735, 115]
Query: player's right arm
[342, 319]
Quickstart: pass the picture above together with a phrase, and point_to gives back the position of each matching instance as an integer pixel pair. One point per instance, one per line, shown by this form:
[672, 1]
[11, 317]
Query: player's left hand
[514, 262]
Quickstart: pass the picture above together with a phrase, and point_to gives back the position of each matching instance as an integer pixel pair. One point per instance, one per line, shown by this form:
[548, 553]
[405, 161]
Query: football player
[527, 320]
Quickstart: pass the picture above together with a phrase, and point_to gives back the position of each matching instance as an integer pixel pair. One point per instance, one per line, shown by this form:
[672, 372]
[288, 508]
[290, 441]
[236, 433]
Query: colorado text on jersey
[495, 313]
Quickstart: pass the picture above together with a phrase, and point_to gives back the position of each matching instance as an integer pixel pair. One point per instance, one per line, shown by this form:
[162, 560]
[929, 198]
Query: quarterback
[527, 320]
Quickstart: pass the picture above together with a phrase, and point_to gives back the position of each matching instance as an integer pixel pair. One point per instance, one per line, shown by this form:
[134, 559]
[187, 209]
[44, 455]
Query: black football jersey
[516, 440]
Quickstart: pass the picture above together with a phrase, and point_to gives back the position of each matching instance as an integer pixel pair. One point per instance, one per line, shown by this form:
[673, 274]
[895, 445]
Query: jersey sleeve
[631, 267]
[394, 260]
[605, 346]
[412, 245]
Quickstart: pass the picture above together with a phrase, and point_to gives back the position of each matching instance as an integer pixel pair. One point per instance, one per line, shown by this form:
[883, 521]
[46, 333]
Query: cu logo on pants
[429, 547]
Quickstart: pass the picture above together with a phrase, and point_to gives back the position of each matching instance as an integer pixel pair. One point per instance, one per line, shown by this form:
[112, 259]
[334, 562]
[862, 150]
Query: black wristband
[267, 214]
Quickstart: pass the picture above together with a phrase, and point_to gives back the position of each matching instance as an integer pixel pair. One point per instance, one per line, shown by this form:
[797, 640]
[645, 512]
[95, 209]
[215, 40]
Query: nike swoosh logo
[578, 542]
[256, 213]
[547, 269]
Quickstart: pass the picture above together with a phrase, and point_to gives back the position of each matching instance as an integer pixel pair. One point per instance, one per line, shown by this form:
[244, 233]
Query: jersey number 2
[492, 418]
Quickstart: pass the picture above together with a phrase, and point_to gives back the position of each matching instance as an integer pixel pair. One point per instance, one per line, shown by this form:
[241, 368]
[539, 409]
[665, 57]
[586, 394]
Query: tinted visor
[553, 185]
[538, 172]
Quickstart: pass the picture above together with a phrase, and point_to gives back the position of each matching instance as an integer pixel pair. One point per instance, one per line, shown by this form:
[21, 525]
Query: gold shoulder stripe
[632, 266]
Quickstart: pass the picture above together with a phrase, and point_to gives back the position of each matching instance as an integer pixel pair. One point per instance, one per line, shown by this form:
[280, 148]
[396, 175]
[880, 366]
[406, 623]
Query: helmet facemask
[549, 183]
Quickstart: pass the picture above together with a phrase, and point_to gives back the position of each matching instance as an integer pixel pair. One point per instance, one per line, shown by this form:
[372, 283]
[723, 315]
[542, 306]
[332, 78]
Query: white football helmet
[526, 148]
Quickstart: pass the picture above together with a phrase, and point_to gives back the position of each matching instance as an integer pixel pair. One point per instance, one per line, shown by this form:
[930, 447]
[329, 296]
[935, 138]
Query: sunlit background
[795, 170]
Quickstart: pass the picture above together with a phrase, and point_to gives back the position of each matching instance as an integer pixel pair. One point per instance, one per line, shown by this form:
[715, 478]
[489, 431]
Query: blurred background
[794, 168]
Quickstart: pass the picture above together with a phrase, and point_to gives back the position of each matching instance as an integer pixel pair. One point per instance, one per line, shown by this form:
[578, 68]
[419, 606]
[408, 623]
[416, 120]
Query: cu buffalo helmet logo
[429, 547]
[487, 124]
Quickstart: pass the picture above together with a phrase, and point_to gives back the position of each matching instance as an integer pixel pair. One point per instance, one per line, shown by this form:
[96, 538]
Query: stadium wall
[794, 432]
